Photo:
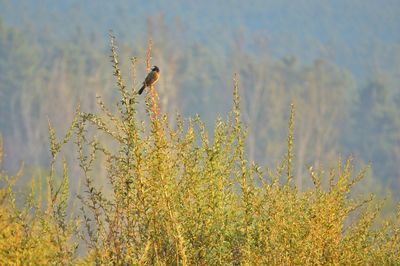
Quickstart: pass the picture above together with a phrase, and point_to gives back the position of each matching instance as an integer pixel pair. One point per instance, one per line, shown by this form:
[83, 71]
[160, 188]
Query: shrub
[34, 234]
[180, 197]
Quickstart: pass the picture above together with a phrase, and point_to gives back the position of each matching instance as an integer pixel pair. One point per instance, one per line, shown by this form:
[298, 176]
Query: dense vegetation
[176, 196]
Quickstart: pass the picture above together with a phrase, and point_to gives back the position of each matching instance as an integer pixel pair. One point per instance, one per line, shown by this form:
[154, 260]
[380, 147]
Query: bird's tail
[142, 89]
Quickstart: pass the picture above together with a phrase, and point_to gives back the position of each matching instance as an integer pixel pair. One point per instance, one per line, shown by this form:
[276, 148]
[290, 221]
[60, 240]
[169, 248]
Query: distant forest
[338, 62]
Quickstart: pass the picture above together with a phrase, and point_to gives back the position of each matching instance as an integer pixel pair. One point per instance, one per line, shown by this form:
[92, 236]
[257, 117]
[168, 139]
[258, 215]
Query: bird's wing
[151, 78]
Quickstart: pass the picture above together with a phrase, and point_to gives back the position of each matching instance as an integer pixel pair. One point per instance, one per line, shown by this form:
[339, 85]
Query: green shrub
[34, 234]
[180, 197]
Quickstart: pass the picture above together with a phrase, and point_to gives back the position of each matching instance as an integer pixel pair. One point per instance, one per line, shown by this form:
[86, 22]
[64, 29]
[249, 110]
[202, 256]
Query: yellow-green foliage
[33, 234]
[181, 197]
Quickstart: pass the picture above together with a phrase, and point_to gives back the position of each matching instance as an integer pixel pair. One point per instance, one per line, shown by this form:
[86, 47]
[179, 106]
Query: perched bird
[151, 78]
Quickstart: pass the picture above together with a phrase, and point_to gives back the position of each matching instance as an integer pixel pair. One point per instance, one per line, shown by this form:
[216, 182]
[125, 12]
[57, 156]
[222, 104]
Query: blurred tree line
[43, 78]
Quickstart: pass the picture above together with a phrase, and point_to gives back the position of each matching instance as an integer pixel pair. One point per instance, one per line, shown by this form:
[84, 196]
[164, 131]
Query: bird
[151, 78]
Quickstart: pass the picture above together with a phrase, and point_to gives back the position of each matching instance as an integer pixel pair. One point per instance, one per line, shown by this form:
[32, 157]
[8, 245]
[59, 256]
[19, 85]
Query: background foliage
[339, 62]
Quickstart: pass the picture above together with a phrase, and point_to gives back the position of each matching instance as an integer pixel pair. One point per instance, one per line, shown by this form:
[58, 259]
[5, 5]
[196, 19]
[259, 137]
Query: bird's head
[155, 68]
